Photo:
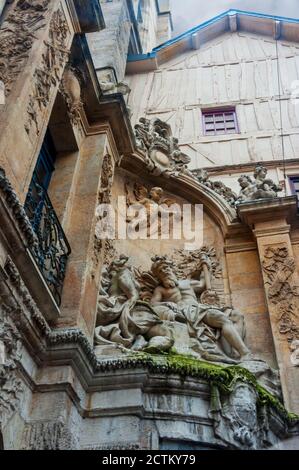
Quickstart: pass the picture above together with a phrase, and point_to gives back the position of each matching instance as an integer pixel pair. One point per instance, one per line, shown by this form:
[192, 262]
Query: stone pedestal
[269, 221]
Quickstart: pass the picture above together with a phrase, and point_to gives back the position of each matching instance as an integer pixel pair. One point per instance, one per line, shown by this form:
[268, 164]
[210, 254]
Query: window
[294, 183]
[220, 121]
[52, 248]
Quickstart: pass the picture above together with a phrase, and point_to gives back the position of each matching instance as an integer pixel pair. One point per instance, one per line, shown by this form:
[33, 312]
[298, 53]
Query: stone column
[270, 223]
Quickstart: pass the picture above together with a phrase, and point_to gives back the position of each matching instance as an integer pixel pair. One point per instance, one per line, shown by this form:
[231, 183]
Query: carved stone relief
[237, 419]
[161, 150]
[279, 268]
[172, 304]
[10, 385]
[18, 212]
[258, 188]
[70, 88]
[49, 73]
[17, 35]
[104, 197]
[48, 435]
[153, 204]
[217, 186]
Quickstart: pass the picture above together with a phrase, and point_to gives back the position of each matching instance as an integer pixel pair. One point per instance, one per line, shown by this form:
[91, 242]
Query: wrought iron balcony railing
[52, 250]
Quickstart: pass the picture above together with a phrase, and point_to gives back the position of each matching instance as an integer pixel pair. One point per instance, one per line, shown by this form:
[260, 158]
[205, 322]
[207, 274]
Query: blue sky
[189, 13]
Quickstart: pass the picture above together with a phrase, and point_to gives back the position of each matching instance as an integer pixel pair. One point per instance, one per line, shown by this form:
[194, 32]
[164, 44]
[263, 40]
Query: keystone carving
[161, 150]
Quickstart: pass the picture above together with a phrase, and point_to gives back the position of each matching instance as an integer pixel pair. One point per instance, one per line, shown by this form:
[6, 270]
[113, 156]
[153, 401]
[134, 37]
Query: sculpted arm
[157, 296]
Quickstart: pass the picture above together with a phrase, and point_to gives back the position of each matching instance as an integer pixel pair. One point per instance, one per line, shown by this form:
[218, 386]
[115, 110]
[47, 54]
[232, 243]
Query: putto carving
[169, 299]
[10, 385]
[279, 267]
[49, 73]
[259, 188]
[220, 188]
[123, 318]
[70, 89]
[155, 205]
[161, 149]
[16, 37]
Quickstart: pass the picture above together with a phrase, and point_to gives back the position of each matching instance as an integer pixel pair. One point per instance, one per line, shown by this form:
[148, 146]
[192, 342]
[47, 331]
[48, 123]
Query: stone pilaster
[269, 221]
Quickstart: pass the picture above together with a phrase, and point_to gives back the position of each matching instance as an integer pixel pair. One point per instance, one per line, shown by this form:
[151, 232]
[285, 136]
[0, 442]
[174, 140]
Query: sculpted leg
[160, 339]
[217, 319]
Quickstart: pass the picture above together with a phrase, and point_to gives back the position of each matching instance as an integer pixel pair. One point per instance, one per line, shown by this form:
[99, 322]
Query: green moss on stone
[223, 377]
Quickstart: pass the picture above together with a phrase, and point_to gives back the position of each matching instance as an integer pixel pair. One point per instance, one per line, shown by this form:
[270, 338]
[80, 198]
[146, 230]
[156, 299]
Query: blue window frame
[46, 162]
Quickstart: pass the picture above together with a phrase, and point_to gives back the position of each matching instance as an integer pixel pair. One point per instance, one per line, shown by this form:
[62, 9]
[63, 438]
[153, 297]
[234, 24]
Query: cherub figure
[154, 203]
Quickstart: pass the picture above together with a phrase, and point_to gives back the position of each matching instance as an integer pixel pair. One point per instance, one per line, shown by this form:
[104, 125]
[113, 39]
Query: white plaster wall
[2, 5]
[234, 69]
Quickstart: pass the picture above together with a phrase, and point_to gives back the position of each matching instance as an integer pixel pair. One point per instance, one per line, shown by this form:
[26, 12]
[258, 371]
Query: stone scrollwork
[162, 153]
[17, 35]
[170, 305]
[279, 267]
[258, 188]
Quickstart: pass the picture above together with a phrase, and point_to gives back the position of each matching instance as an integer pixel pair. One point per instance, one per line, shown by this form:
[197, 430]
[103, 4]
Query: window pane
[218, 123]
[230, 125]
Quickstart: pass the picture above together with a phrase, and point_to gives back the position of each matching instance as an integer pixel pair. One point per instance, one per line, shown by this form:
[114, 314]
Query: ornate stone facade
[48, 74]
[161, 151]
[18, 33]
[151, 345]
[279, 268]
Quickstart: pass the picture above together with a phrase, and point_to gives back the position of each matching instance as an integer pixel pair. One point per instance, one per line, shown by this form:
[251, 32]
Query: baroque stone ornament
[17, 35]
[48, 435]
[237, 419]
[220, 188]
[70, 88]
[123, 318]
[104, 197]
[10, 385]
[153, 205]
[156, 309]
[259, 188]
[161, 150]
[18, 212]
[49, 73]
[279, 267]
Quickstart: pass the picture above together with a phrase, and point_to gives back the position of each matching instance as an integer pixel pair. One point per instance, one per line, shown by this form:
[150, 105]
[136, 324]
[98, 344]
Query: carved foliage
[279, 268]
[217, 186]
[104, 198]
[49, 73]
[10, 385]
[17, 35]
